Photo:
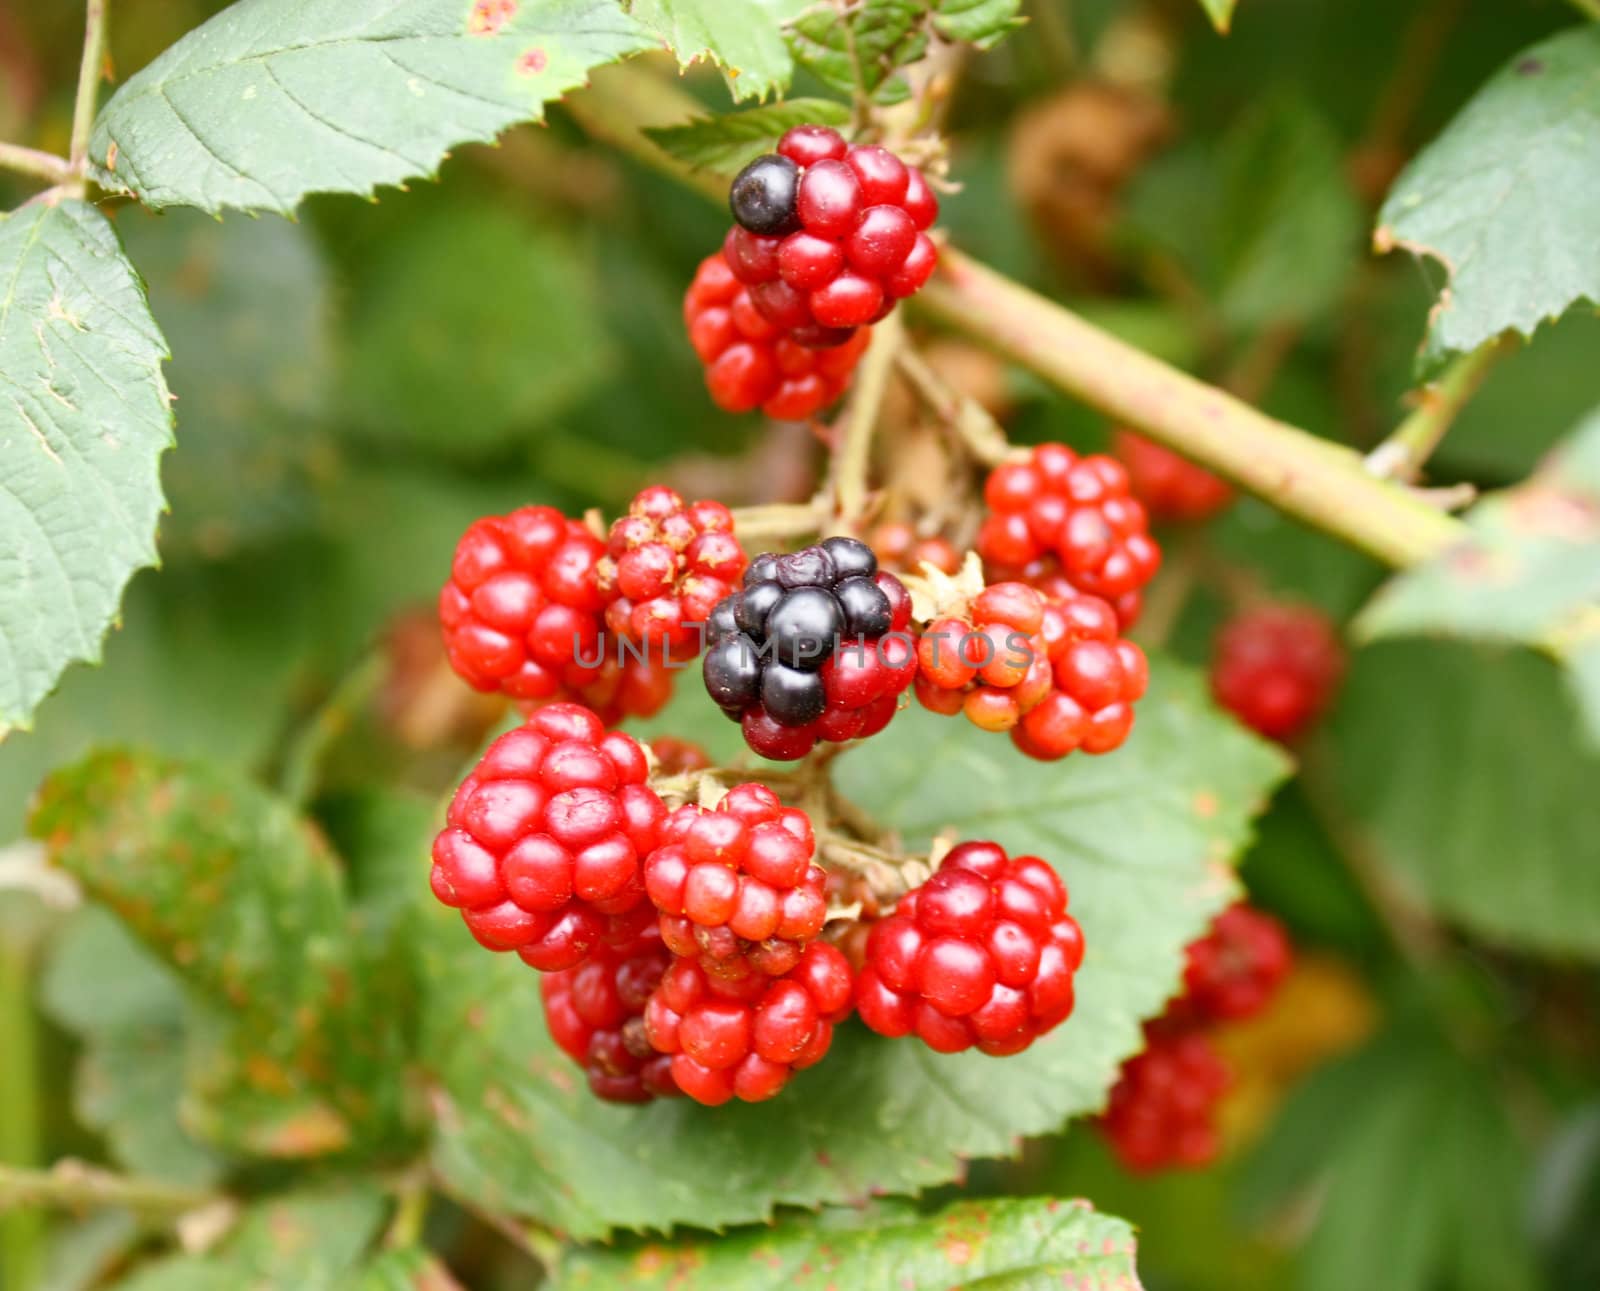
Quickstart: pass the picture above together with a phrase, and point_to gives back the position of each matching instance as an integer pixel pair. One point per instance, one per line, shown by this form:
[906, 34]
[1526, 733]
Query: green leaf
[1504, 198]
[443, 355]
[246, 306]
[128, 1012]
[84, 417]
[859, 48]
[289, 1053]
[1008, 1242]
[984, 23]
[1220, 12]
[724, 144]
[743, 37]
[1143, 838]
[1483, 804]
[311, 1240]
[1528, 570]
[1350, 1138]
[275, 99]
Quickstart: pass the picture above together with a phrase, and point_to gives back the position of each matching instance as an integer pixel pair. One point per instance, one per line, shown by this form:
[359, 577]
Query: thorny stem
[89, 71]
[853, 451]
[1316, 480]
[1402, 456]
[30, 161]
[74, 1185]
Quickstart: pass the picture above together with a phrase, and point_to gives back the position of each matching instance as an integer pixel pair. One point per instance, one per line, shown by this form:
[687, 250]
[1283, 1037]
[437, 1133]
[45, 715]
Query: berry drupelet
[1173, 489]
[829, 236]
[1058, 514]
[813, 647]
[983, 954]
[544, 840]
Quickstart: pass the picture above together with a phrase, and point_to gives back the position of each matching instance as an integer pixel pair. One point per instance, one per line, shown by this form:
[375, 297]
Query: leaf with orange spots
[272, 100]
[1010, 1242]
[289, 1049]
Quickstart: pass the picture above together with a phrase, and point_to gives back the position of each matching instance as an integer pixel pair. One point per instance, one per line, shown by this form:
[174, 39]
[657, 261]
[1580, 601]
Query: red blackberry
[1172, 488]
[625, 685]
[814, 647]
[1163, 1107]
[666, 566]
[523, 605]
[677, 757]
[981, 954]
[898, 548]
[543, 842]
[1236, 968]
[595, 1012]
[1058, 512]
[736, 887]
[744, 1039]
[753, 363]
[1096, 678]
[989, 661]
[1276, 668]
[828, 235]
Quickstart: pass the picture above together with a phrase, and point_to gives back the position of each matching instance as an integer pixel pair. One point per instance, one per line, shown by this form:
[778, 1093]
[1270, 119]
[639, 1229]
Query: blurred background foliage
[354, 387]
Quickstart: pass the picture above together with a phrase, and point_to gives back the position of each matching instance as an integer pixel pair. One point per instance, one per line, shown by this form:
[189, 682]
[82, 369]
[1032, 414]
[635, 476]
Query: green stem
[72, 1185]
[853, 453]
[1320, 482]
[777, 520]
[1403, 455]
[39, 165]
[303, 762]
[89, 70]
[20, 1234]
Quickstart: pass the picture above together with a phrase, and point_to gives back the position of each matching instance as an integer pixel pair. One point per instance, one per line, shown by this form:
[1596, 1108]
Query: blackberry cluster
[1173, 489]
[814, 647]
[1056, 514]
[744, 1038]
[666, 566]
[1276, 668]
[737, 887]
[1162, 1112]
[983, 954]
[751, 362]
[595, 1013]
[544, 840]
[828, 236]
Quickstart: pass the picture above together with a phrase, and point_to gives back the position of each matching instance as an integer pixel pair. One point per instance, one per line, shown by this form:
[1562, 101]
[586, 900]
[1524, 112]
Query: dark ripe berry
[850, 556]
[1235, 969]
[812, 567]
[807, 145]
[1162, 1110]
[762, 197]
[763, 569]
[732, 672]
[756, 603]
[790, 696]
[803, 628]
[867, 612]
[983, 954]
[771, 739]
[721, 623]
[1276, 668]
